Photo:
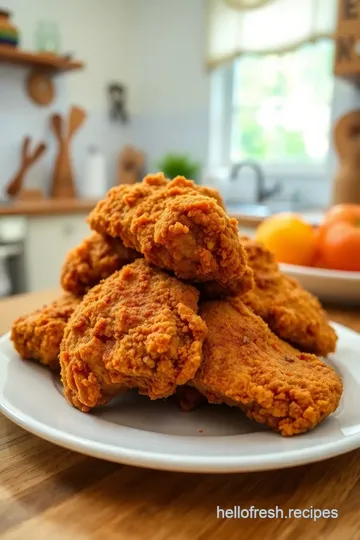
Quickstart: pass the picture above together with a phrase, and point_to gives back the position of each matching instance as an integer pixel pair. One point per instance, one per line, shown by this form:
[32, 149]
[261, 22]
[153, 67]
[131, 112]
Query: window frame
[221, 97]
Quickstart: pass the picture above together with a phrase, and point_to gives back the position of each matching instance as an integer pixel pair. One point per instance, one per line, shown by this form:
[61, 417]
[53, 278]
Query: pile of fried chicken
[166, 297]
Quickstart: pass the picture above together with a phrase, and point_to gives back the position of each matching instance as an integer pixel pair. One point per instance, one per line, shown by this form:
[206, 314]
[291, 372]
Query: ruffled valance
[236, 27]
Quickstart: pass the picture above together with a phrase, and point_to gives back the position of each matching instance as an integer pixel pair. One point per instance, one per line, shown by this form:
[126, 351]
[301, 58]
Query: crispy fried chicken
[136, 329]
[246, 365]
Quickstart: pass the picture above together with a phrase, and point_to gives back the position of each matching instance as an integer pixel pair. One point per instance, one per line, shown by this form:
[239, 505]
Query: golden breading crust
[37, 336]
[211, 192]
[246, 365]
[211, 290]
[138, 328]
[174, 227]
[96, 258]
[292, 313]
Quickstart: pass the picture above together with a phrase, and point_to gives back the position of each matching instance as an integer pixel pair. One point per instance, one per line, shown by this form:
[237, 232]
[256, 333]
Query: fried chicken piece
[211, 192]
[246, 365]
[136, 329]
[175, 227]
[37, 336]
[99, 256]
[211, 290]
[96, 258]
[291, 312]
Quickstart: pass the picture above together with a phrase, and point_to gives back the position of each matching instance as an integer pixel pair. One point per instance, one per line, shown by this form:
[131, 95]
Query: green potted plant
[179, 165]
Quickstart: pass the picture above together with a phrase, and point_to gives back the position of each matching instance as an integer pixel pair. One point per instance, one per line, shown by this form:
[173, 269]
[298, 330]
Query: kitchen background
[187, 91]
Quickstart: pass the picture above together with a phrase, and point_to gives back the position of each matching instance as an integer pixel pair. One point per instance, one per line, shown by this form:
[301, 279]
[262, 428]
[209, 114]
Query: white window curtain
[236, 27]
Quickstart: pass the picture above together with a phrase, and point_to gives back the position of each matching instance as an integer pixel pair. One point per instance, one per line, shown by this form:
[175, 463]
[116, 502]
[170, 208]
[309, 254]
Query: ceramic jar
[9, 34]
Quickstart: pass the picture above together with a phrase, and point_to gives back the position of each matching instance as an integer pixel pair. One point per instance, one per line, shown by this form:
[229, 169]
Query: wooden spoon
[76, 119]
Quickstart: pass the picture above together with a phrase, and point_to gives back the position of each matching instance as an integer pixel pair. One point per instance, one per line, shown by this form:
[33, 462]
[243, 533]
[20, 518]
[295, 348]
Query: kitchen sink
[259, 210]
[266, 209]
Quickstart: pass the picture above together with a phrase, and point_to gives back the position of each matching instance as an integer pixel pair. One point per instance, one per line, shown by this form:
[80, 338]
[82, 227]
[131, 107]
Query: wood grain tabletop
[50, 493]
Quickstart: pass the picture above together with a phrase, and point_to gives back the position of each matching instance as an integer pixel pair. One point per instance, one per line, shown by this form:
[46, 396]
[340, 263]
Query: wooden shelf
[47, 207]
[43, 61]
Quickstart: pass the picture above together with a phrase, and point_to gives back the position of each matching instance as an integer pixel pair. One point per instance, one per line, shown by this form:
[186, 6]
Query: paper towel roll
[95, 185]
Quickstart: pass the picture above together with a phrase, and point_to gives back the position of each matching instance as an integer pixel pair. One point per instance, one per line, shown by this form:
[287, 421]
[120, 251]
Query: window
[281, 106]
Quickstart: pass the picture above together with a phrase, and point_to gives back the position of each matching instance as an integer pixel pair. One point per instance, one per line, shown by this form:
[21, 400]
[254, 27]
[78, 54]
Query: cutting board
[347, 144]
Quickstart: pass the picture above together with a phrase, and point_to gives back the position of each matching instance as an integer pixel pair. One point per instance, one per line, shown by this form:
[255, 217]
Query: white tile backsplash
[178, 131]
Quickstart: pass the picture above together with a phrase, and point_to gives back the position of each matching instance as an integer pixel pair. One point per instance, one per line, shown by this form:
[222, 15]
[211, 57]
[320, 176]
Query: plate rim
[320, 272]
[178, 462]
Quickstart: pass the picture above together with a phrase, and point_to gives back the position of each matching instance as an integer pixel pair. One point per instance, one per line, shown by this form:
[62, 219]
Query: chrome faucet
[261, 192]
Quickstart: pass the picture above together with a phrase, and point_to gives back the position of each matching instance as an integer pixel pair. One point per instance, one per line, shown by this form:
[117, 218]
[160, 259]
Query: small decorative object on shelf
[117, 98]
[16, 185]
[9, 34]
[63, 183]
[131, 165]
[347, 143]
[47, 37]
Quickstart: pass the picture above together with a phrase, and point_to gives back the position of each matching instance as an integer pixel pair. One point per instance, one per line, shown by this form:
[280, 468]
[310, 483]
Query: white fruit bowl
[328, 285]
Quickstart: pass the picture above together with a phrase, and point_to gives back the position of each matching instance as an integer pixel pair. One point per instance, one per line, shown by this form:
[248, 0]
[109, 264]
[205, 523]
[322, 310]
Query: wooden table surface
[50, 493]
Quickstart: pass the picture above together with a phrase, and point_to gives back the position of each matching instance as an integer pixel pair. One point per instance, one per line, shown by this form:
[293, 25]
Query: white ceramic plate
[327, 285]
[135, 431]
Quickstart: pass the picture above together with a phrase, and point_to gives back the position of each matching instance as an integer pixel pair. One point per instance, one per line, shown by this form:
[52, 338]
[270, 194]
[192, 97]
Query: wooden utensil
[77, 117]
[130, 165]
[15, 186]
[63, 184]
[347, 144]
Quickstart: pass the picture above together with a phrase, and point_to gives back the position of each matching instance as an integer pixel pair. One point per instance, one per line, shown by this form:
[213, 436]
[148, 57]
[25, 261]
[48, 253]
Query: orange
[343, 212]
[291, 239]
[339, 238]
[338, 214]
[319, 261]
[340, 246]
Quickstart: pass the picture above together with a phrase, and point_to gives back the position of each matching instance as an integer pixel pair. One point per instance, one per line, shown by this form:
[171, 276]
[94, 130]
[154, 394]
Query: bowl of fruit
[324, 259]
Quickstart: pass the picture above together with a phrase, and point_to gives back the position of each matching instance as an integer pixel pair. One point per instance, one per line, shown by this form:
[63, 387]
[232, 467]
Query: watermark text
[239, 512]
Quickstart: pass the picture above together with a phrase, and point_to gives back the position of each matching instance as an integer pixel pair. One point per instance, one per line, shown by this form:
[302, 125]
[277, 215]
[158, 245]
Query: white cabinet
[47, 241]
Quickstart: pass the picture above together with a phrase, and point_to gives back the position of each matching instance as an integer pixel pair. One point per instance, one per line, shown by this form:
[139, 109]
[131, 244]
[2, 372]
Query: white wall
[98, 33]
[156, 47]
[170, 85]
[169, 49]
